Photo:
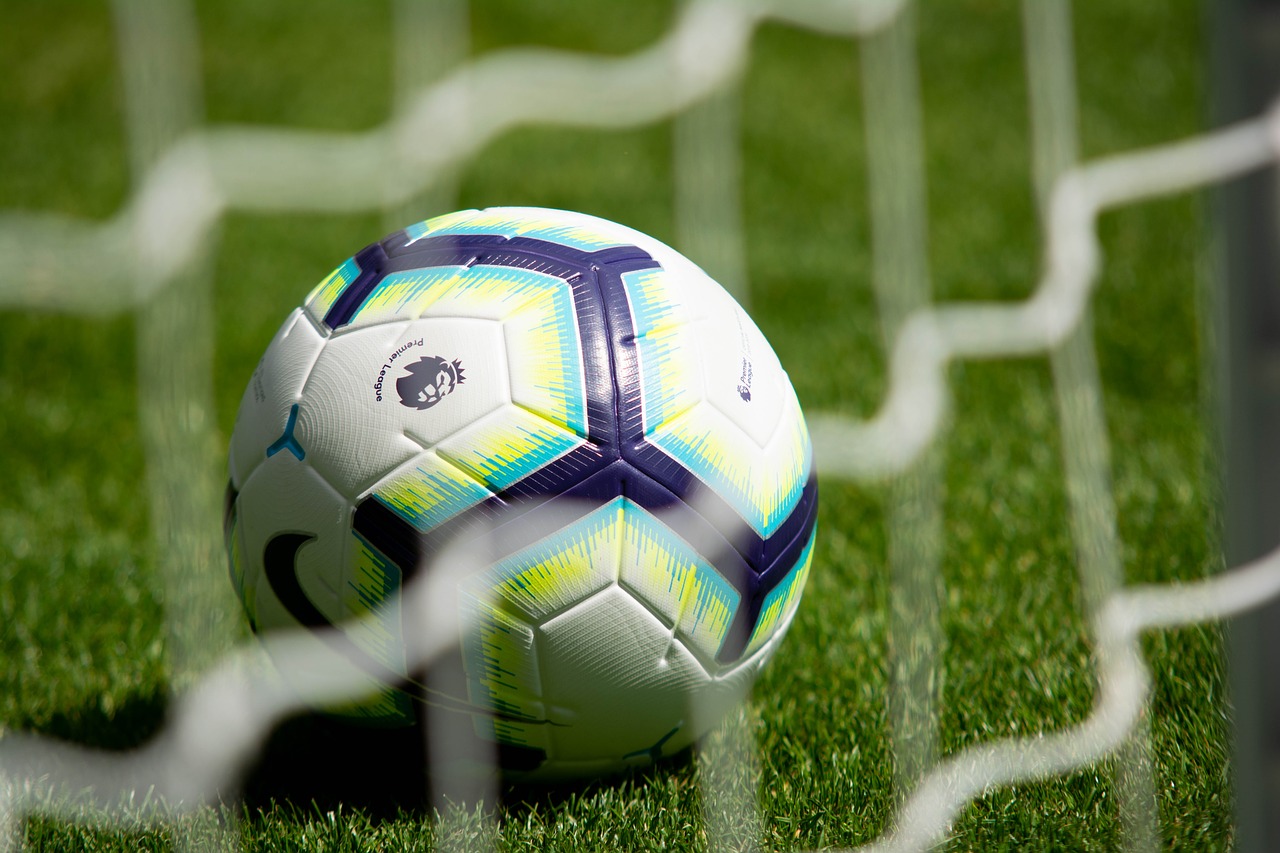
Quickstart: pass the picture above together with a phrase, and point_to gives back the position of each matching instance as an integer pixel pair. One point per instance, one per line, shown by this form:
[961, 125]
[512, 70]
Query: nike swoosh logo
[280, 561]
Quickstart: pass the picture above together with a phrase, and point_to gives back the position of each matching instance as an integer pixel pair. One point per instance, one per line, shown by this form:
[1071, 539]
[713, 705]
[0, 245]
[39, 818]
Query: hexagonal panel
[544, 359]
[670, 378]
[714, 396]
[429, 491]
[276, 385]
[377, 396]
[742, 376]
[676, 582]
[762, 485]
[405, 295]
[557, 572]
[492, 292]
[506, 446]
[616, 682]
[501, 665]
[323, 296]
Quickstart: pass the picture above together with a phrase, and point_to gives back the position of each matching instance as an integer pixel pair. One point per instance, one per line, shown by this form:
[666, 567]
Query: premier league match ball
[594, 409]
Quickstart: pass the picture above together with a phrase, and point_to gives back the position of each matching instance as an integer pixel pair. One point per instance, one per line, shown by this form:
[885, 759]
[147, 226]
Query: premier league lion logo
[428, 381]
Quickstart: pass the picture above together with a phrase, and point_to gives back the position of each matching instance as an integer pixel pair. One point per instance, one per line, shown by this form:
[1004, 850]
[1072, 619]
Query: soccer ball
[553, 373]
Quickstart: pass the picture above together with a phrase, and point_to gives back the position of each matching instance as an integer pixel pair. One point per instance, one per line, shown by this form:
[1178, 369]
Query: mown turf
[82, 632]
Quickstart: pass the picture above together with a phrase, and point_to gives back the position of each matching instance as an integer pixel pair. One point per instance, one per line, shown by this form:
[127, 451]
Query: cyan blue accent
[713, 585]
[349, 270]
[688, 455]
[561, 234]
[650, 313]
[370, 262]
[287, 441]
[422, 280]
[521, 285]
[417, 230]
[573, 394]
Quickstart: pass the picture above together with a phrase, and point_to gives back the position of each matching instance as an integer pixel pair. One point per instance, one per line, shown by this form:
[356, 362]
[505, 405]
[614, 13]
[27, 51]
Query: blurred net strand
[917, 400]
[62, 263]
[894, 129]
[431, 37]
[158, 52]
[706, 172]
[706, 168]
[1123, 682]
[1050, 71]
[195, 182]
[219, 726]
[139, 259]
[1053, 313]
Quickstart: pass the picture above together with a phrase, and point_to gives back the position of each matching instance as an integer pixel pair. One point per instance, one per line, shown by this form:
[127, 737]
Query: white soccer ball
[570, 382]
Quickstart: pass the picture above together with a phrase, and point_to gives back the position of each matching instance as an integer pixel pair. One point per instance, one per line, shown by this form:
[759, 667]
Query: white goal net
[151, 259]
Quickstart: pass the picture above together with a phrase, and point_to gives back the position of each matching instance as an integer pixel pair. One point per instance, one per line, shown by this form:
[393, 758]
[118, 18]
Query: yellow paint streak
[407, 296]
[563, 570]
[765, 482]
[324, 294]
[680, 586]
[502, 670]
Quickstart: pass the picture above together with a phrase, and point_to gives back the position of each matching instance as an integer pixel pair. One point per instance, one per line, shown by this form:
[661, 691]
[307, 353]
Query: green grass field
[82, 625]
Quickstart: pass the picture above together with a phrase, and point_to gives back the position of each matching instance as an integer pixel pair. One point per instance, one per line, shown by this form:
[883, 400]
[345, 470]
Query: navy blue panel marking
[279, 560]
[626, 365]
[436, 256]
[397, 245]
[759, 551]
[371, 260]
[617, 461]
[779, 556]
[382, 528]
[537, 263]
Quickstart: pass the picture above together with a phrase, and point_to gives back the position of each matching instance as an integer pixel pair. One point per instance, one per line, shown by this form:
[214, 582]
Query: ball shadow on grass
[315, 763]
[119, 726]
